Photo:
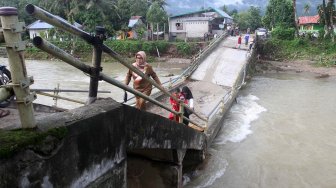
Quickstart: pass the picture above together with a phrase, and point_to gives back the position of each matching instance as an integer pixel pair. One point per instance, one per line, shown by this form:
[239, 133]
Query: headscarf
[143, 55]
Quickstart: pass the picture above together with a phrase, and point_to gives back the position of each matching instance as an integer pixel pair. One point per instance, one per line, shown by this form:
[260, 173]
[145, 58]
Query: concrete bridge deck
[215, 78]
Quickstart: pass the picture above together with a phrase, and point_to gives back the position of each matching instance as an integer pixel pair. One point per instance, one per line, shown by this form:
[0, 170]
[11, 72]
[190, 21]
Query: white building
[41, 28]
[198, 24]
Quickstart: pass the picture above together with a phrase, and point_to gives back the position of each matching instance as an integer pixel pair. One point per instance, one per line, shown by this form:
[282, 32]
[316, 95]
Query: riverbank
[298, 66]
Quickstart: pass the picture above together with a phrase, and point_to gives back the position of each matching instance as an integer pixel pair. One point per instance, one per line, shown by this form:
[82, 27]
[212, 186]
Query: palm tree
[306, 9]
[69, 8]
[323, 17]
[331, 9]
[295, 22]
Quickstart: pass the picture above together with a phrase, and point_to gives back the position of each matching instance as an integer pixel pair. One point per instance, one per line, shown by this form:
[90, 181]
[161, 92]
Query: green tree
[156, 14]
[249, 19]
[279, 13]
[139, 8]
[326, 13]
[161, 3]
[20, 5]
[124, 12]
[225, 9]
[295, 19]
[306, 9]
[254, 18]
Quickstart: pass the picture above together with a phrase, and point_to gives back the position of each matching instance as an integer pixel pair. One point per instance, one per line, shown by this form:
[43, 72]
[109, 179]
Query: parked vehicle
[261, 33]
[5, 78]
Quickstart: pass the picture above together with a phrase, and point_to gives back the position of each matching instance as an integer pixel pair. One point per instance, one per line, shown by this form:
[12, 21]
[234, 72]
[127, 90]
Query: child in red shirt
[239, 42]
[175, 105]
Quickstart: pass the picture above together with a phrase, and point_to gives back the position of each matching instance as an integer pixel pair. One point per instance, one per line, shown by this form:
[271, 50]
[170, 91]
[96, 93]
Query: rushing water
[48, 74]
[280, 133]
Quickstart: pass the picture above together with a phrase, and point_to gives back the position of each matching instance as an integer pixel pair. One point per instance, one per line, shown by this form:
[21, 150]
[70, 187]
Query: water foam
[238, 122]
[212, 178]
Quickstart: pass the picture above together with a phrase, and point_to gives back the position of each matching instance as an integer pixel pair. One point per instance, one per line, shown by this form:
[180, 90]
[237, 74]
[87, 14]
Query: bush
[268, 48]
[283, 33]
[183, 48]
[125, 47]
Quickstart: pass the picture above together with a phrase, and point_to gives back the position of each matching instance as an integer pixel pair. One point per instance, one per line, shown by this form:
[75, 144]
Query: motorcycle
[5, 78]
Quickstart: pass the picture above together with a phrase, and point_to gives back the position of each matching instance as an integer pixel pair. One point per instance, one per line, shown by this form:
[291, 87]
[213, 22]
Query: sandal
[4, 113]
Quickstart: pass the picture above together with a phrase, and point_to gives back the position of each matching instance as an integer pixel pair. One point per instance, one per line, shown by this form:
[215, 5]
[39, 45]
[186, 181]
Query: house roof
[39, 24]
[133, 21]
[198, 19]
[220, 12]
[309, 19]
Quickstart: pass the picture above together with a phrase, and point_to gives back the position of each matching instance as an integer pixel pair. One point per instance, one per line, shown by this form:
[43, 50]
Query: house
[39, 28]
[134, 23]
[198, 24]
[309, 24]
[42, 29]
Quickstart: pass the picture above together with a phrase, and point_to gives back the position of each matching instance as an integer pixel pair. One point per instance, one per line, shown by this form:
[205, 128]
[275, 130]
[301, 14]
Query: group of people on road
[247, 41]
[145, 87]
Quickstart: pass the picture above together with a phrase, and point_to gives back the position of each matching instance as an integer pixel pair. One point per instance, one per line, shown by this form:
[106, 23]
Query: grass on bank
[16, 140]
[323, 52]
[126, 48]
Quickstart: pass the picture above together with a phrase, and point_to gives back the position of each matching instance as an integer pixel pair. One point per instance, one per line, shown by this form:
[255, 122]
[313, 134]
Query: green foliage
[186, 49]
[283, 33]
[279, 13]
[325, 18]
[322, 51]
[140, 30]
[249, 19]
[156, 14]
[125, 47]
[130, 47]
[268, 49]
[326, 61]
[254, 18]
[17, 140]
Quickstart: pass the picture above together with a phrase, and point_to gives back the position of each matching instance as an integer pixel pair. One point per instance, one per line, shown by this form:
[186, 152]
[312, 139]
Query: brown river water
[48, 74]
[280, 133]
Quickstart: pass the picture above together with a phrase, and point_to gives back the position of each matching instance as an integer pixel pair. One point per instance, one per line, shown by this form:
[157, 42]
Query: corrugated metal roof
[39, 24]
[198, 19]
[220, 12]
[133, 21]
[309, 19]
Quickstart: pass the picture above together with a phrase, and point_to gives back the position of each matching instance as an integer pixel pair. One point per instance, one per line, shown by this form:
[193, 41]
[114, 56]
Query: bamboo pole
[53, 20]
[15, 50]
[59, 53]
[60, 97]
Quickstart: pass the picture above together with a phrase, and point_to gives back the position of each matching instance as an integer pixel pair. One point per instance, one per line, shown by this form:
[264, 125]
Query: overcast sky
[178, 6]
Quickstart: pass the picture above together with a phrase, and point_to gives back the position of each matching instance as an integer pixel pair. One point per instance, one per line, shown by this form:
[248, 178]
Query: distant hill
[177, 6]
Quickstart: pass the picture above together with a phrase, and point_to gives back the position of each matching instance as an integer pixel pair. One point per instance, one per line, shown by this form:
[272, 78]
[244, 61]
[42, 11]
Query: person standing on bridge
[189, 100]
[239, 41]
[139, 83]
[247, 37]
[175, 104]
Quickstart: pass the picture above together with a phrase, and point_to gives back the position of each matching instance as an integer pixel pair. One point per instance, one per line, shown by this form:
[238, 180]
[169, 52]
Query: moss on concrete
[17, 140]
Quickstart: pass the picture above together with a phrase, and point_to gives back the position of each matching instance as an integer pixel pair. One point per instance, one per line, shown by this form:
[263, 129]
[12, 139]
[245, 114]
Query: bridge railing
[95, 70]
[10, 33]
